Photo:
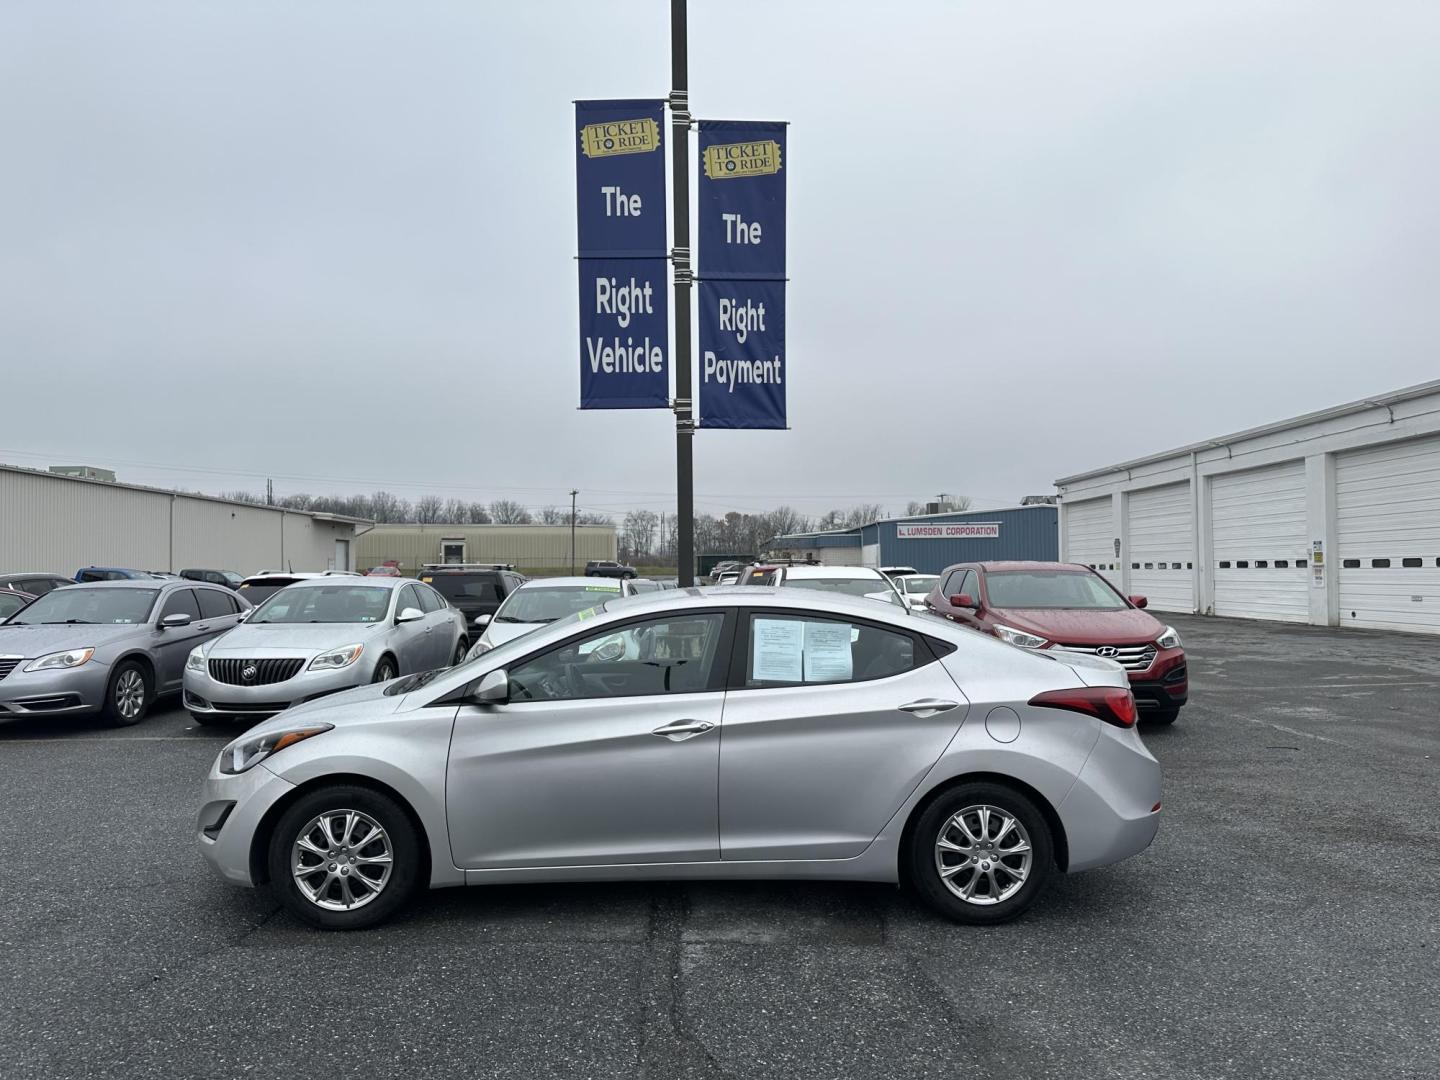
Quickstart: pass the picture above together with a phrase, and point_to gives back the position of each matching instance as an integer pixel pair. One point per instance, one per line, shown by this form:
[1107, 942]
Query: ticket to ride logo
[731, 160]
[619, 137]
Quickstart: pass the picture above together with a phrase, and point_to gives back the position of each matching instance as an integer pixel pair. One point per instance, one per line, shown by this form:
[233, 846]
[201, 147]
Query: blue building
[931, 542]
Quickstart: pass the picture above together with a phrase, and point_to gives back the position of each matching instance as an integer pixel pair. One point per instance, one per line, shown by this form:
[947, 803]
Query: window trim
[741, 648]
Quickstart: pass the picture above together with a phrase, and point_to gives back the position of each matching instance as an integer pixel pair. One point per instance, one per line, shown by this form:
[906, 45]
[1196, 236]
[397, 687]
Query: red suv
[1069, 608]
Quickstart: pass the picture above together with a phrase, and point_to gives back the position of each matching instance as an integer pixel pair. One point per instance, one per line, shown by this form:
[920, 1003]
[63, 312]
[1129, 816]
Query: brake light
[1111, 704]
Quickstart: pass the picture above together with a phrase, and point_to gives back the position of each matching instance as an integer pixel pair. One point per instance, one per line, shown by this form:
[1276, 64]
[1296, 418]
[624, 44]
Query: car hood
[33, 641]
[340, 707]
[1125, 626]
[246, 639]
[497, 633]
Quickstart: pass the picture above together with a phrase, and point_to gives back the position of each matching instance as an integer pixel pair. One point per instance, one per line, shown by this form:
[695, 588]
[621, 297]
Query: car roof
[819, 573]
[604, 584]
[357, 583]
[139, 583]
[720, 596]
[1019, 564]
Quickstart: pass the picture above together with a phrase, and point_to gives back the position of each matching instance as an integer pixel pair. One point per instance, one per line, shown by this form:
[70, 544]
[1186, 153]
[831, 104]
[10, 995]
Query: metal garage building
[526, 547]
[931, 542]
[1331, 518]
[58, 524]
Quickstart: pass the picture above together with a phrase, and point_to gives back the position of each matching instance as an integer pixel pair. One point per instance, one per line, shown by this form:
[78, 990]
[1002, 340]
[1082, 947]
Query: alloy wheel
[341, 860]
[129, 693]
[983, 854]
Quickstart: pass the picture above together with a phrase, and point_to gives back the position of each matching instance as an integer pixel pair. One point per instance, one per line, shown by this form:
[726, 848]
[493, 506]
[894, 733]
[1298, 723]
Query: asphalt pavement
[1284, 924]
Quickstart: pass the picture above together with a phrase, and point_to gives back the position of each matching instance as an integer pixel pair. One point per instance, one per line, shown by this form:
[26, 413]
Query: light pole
[573, 493]
[680, 255]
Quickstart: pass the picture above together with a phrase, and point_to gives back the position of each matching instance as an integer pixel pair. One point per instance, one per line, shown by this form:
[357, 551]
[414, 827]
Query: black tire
[925, 876]
[119, 709]
[400, 834]
[1167, 715]
[209, 719]
[385, 670]
[461, 648]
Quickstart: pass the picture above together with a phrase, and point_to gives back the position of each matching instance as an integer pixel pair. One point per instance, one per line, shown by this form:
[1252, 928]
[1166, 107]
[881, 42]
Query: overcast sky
[331, 242]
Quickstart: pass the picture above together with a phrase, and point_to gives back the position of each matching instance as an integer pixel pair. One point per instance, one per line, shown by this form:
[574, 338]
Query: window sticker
[588, 613]
[602, 588]
[827, 651]
[777, 647]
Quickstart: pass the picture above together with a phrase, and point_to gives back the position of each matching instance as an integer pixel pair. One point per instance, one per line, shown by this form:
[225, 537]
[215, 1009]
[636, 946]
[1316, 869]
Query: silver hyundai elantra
[699, 733]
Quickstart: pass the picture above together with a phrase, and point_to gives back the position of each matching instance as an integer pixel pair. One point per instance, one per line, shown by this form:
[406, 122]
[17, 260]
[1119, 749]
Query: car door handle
[683, 729]
[929, 706]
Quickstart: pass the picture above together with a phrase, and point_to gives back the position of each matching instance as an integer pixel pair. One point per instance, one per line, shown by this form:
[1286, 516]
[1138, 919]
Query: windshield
[918, 583]
[1057, 589]
[10, 602]
[74, 605]
[472, 587]
[324, 604]
[850, 586]
[546, 603]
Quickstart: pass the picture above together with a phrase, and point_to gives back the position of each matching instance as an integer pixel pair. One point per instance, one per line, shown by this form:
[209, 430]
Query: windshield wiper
[511, 618]
[67, 622]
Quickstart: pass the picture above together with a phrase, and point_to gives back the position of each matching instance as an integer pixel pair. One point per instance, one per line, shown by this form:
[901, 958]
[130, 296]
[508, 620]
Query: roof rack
[466, 566]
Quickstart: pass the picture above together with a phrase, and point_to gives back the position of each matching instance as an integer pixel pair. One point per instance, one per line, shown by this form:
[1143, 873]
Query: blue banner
[624, 273]
[742, 354]
[741, 267]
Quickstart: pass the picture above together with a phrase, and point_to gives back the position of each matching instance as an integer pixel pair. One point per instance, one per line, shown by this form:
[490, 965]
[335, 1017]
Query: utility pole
[680, 256]
[269, 492]
[573, 493]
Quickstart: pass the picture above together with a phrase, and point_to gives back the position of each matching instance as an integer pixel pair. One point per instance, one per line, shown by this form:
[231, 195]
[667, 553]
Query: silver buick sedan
[699, 733]
[318, 636]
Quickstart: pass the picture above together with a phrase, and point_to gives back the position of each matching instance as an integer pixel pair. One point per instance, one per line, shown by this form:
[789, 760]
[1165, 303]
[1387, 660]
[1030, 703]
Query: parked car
[110, 647]
[915, 588]
[12, 600]
[556, 757]
[35, 583]
[1069, 608]
[726, 567]
[851, 580]
[228, 579]
[384, 570]
[474, 590]
[609, 568]
[545, 600]
[727, 577]
[897, 572]
[111, 573]
[318, 636]
[267, 583]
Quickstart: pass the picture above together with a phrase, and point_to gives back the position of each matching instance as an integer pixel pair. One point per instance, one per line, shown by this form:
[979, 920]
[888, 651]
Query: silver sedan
[318, 636]
[860, 742]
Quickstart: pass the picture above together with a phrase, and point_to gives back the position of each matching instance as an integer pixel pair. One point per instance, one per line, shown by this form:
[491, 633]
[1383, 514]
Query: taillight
[1111, 704]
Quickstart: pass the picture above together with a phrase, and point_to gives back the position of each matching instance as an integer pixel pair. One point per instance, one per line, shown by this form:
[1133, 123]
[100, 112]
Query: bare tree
[477, 514]
[455, 512]
[639, 530]
[553, 515]
[509, 512]
[427, 509]
[591, 518]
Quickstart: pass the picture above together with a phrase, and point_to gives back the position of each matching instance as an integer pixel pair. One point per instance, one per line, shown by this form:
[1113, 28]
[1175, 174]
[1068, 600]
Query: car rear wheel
[127, 697]
[344, 858]
[982, 853]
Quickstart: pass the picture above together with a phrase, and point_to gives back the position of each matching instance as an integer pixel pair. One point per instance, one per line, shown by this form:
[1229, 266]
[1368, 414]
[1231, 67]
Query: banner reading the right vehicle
[740, 267]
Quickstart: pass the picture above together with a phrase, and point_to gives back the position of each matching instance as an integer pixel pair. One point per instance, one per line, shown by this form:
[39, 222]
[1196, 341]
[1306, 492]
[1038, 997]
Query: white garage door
[1162, 560]
[1090, 536]
[1387, 554]
[1257, 522]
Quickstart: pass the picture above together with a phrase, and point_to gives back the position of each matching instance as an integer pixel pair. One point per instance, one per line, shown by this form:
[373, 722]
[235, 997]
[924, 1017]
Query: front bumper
[1165, 684]
[1113, 811]
[204, 694]
[54, 693]
[231, 809]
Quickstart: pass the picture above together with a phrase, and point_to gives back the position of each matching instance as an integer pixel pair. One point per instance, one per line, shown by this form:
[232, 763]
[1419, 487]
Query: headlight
[248, 751]
[71, 658]
[337, 658]
[1020, 637]
[480, 648]
[1170, 639]
[196, 660]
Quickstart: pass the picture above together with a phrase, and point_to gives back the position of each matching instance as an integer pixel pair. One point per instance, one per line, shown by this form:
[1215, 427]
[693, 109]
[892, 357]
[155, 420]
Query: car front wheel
[384, 670]
[344, 858]
[127, 697]
[982, 853]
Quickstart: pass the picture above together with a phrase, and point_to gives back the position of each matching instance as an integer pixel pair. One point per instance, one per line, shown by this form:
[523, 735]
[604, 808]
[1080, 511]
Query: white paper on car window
[827, 652]
[776, 650]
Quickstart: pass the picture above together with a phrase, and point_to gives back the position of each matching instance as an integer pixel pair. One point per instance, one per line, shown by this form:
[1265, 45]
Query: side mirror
[483, 620]
[410, 614]
[494, 688]
[1139, 601]
[963, 599]
[172, 622]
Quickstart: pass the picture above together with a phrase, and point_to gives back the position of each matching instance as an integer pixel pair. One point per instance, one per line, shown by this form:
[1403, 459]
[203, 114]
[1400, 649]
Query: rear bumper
[1113, 811]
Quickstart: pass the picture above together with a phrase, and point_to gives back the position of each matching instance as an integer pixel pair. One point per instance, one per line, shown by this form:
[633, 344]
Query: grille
[267, 672]
[250, 706]
[8, 664]
[1130, 657]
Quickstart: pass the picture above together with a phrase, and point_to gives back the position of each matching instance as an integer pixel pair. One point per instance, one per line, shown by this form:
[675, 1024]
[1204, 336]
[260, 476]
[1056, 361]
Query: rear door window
[214, 604]
[798, 650]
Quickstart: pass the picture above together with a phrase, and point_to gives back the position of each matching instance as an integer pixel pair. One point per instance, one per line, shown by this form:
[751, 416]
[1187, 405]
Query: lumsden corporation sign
[953, 530]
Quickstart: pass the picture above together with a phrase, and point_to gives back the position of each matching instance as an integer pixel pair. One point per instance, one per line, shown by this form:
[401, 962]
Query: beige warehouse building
[58, 524]
[526, 547]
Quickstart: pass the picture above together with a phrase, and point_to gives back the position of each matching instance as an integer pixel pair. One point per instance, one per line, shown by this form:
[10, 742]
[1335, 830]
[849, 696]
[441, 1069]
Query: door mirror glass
[494, 688]
[410, 614]
[1139, 601]
[170, 622]
[963, 600]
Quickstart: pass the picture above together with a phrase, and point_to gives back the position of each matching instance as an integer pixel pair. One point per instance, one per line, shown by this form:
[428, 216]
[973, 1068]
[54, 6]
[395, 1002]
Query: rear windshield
[264, 588]
[77, 605]
[759, 577]
[325, 604]
[850, 586]
[1058, 589]
[546, 603]
[466, 586]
